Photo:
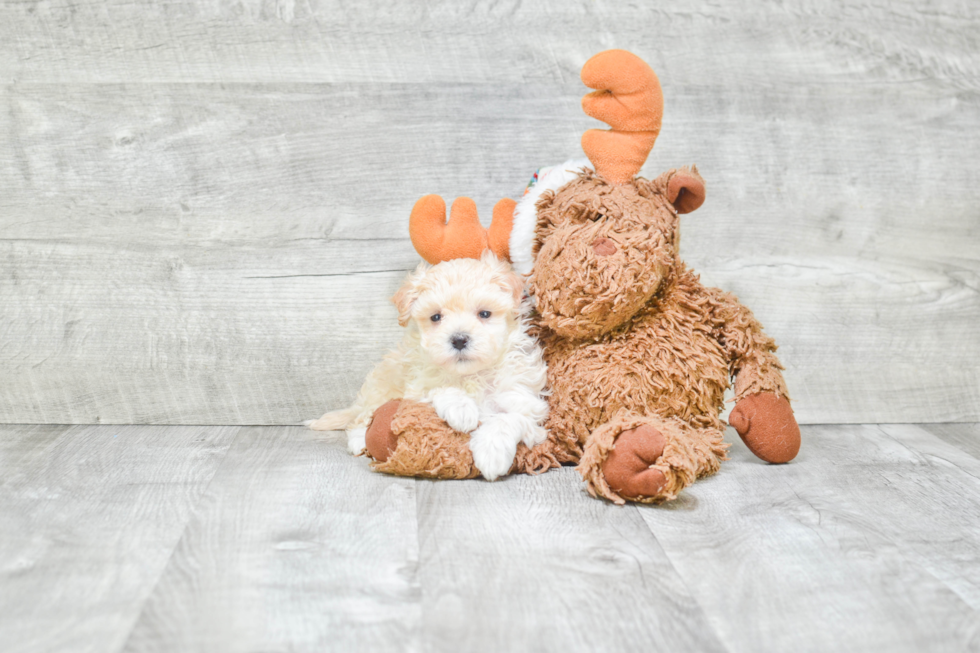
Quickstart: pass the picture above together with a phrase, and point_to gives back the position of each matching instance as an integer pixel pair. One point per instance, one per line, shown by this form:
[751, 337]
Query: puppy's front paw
[457, 409]
[493, 451]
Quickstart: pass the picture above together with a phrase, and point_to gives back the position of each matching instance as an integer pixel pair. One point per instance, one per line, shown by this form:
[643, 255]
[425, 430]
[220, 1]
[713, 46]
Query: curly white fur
[490, 386]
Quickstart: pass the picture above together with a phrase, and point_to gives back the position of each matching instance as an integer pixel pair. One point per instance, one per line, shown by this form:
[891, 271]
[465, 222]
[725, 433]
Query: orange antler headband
[463, 236]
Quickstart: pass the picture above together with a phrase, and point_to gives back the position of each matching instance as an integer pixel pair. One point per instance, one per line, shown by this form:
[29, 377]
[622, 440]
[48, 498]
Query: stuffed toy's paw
[494, 448]
[457, 409]
[627, 469]
[766, 424]
[379, 439]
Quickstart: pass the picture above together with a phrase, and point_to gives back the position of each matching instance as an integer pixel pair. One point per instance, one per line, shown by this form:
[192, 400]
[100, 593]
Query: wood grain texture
[204, 205]
[477, 42]
[239, 335]
[535, 564]
[965, 437]
[296, 545]
[271, 538]
[89, 521]
[870, 538]
[19, 443]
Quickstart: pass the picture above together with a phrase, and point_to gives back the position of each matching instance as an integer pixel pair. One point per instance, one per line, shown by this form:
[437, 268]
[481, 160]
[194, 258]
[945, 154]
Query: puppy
[467, 352]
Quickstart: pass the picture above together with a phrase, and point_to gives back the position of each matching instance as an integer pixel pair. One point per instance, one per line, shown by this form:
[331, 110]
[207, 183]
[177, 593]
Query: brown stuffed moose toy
[639, 353]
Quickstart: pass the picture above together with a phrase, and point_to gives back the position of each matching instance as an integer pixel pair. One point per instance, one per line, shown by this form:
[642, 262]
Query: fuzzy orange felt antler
[628, 99]
[463, 236]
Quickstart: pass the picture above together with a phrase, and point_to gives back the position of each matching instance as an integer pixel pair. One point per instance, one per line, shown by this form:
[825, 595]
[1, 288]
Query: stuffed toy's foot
[629, 467]
[648, 459]
[379, 439]
[768, 427]
[408, 438]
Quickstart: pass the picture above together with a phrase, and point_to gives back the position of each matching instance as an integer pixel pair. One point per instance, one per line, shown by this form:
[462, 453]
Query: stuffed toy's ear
[685, 190]
[408, 294]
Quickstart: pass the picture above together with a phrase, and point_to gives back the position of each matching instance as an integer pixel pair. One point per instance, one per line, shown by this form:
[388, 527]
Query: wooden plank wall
[203, 205]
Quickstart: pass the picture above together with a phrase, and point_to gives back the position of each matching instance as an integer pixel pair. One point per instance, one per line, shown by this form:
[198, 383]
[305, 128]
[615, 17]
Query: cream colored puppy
[467, 352]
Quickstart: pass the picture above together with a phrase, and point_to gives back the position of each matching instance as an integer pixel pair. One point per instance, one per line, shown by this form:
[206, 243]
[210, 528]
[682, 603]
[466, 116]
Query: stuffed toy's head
[597, 241]
[601, 251]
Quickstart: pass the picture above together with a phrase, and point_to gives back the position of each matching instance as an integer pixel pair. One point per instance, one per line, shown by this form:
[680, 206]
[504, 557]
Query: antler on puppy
[463, 236]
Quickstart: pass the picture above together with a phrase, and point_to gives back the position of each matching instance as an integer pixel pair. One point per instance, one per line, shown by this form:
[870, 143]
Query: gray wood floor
[205, 538]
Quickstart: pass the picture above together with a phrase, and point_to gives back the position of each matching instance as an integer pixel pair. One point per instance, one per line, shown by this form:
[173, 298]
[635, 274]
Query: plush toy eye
[484, 314]
[436, 317]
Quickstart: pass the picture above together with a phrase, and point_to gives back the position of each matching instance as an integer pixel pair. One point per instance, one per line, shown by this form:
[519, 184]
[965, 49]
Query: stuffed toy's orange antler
[628, 99]
[463, 236]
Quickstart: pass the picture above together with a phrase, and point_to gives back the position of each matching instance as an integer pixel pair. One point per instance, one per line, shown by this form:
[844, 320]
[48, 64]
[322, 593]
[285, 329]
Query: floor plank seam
[191, 513]
[691, 591]
[69, 428]
[962, 451]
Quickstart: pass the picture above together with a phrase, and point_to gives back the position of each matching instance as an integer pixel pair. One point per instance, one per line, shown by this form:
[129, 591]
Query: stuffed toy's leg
[648, 459]
[408, 438]
[762, 415]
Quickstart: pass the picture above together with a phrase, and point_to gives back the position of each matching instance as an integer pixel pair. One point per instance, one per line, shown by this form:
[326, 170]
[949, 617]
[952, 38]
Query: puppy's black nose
[459, 341]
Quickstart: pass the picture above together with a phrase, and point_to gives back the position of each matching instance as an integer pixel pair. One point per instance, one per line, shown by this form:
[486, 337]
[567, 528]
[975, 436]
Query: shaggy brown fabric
[580, 293]
[766, 424]
[536, 460]
[427, 447]
[688, 455]
[754, 363]
[665, 360]
[634, 338]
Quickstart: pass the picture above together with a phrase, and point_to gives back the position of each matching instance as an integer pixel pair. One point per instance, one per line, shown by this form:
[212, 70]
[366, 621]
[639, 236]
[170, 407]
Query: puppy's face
[464, 309]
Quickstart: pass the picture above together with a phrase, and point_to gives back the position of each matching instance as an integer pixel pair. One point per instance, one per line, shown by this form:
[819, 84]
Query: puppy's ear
[408, 294]
[515, 283]
[506, 278]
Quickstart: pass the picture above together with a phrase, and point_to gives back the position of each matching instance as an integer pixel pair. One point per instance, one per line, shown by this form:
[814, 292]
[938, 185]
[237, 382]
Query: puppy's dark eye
[436, 317]
[484, 314]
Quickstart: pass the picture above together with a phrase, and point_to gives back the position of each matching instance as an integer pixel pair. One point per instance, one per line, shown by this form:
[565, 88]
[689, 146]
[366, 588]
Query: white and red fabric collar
[526, 213]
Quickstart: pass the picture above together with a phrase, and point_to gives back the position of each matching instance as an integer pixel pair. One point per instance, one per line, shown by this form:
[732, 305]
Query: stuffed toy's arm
[762, 414]
[752, 361]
